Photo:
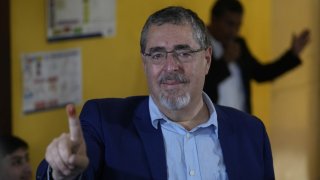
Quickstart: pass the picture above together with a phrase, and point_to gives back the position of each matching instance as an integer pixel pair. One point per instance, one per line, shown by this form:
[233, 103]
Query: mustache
[173, 76]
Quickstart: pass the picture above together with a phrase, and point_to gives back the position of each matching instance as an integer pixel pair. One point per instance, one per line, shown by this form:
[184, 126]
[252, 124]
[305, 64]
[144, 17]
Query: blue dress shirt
[194, 154]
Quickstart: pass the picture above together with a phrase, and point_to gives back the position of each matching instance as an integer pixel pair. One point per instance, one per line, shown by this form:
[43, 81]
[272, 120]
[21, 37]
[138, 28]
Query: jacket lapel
[227, 138]
[152, 140]
[153, 143]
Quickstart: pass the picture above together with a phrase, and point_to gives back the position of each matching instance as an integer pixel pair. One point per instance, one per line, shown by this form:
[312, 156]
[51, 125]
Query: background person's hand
[299, 42]
[231, 51]
[66, 154]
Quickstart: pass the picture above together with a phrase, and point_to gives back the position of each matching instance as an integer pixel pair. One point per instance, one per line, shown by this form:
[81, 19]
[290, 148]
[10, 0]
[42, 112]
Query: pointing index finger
[74, 123]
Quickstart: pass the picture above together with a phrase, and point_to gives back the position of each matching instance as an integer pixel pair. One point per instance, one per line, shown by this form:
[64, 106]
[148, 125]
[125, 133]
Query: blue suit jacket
[122, 143]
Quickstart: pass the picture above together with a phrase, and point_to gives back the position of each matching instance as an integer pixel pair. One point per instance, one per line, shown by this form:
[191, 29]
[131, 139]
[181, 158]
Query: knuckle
[64, 135]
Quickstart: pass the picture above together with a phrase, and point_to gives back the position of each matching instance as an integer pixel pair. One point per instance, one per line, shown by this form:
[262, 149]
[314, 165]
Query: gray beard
[175, 103]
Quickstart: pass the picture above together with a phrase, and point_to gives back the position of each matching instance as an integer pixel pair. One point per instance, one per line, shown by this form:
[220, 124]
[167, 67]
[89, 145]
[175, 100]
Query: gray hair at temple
[178, 16]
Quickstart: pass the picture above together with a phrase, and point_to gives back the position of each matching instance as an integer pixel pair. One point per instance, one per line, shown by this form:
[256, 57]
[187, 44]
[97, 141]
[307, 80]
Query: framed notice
[51, 79]
[69, 19]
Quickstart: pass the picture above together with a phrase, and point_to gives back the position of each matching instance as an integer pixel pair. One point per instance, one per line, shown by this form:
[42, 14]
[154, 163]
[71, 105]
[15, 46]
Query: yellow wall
[256, 30]
[295, 97]
[111, 66]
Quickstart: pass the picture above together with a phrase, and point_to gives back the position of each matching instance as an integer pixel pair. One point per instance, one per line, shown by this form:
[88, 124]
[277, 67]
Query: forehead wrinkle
[169, 35]
[175, 47]
[157, 48]
[182, 46]
[17, 156]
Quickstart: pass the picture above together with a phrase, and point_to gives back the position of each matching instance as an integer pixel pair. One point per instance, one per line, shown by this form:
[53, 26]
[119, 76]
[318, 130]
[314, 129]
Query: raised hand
[67, 154]
[232, 51]
[299, 42]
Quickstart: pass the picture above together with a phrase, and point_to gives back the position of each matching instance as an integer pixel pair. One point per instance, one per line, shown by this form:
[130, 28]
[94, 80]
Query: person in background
[176, 132]
[14, 159]
[233, 65]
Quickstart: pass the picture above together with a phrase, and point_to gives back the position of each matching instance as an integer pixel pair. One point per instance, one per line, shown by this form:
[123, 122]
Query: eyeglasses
[182, 55]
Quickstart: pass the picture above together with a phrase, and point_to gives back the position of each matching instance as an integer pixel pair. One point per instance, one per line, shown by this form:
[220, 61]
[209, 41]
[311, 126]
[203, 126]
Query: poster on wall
[51, 79]
[70, 19]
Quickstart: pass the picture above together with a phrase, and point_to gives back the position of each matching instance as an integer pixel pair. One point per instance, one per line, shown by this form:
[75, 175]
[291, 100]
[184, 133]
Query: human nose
[27, 169]
[27, 166]
[172, 62]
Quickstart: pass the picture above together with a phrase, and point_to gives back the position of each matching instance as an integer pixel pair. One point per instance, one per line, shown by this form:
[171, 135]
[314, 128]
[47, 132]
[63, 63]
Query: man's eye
[184, 54]
[17, 162]
[157, 55]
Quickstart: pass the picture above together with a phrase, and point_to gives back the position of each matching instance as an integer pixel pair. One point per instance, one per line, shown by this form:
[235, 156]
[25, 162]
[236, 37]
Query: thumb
[79, 161]
[294, 38]
[294, 43]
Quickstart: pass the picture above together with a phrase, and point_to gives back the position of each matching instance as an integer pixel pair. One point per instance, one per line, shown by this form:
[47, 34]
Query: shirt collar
[157, 116]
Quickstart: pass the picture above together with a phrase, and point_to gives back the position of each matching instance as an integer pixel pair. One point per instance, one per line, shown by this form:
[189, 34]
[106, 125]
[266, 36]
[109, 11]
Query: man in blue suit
[174, 133]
